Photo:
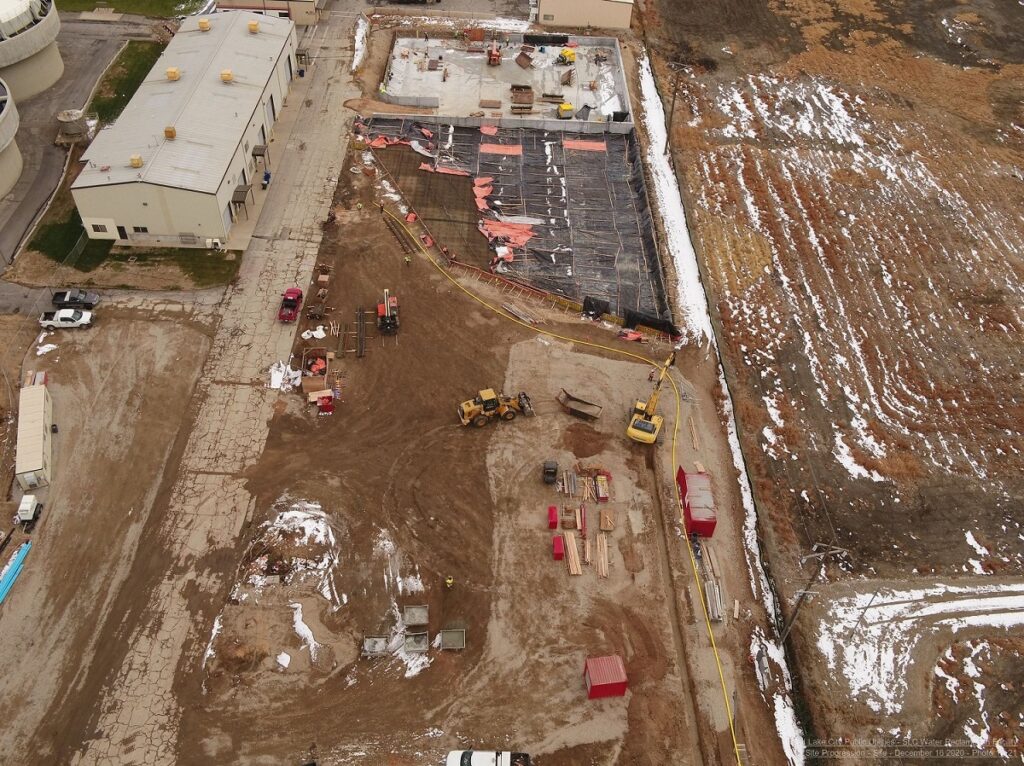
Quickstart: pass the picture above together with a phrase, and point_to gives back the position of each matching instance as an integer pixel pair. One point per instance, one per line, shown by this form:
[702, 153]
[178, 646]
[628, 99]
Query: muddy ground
[112, 389]
[852, 174]
[413, 497]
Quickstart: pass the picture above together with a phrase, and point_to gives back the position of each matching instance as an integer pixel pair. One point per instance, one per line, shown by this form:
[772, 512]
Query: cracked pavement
[139, 711]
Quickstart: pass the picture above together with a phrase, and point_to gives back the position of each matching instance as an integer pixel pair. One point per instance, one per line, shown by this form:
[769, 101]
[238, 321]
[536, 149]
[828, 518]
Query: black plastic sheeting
[589, 210]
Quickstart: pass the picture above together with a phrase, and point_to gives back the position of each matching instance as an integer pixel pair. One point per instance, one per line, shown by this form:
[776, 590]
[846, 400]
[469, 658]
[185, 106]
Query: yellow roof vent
[204, 25]
[254, 26]
[173, 73]
[170, 133]
[226, 75]
[136, 160]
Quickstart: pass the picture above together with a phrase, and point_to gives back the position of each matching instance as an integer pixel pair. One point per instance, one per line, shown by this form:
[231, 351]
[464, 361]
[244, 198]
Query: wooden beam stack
[602, 554]
[572, 554]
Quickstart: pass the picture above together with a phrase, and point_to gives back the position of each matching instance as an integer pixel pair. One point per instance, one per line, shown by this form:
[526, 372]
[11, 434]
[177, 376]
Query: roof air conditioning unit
[204, 25]
[136, 160]
[226, 75]
[170, 133]
[254, 26]
[173, 73]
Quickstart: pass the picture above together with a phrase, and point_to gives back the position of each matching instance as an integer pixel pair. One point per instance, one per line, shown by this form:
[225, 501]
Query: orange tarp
[427, 167]
[482, 191]
[489, 130]
[514, 234]
[482, 181]
[586, 146]
[501, 149]
[453, 171]
[481, 204]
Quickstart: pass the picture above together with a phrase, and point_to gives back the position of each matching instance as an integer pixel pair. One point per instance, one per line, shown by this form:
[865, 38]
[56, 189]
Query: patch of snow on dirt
[359, 51]
[868, 638]
[980, 549]
[218, 625]
[284, 660]
[847, 461]
[692, 300]
[46, 349]
[303, 631]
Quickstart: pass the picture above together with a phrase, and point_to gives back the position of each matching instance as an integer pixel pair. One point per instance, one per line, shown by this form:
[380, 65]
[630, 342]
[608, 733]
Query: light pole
[677, 68]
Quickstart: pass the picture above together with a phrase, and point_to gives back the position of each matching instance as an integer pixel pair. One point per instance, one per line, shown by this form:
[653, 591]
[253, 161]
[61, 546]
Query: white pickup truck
[486, 758]
[52, 320]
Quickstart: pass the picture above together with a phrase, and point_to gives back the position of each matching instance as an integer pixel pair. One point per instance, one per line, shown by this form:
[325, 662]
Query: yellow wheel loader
[488, 405]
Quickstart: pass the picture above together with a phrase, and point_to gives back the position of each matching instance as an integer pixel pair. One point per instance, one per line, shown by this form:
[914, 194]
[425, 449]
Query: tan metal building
[35, 416]
[29, 60]
[10, 155]
[599, 14]
[193, 136]
[305, 13]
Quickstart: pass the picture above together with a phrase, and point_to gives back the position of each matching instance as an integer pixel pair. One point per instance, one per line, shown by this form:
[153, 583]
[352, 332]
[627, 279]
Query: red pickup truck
[291, 302]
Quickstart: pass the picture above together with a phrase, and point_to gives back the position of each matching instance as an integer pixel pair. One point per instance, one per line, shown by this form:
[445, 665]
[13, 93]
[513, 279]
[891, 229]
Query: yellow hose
[675, 441]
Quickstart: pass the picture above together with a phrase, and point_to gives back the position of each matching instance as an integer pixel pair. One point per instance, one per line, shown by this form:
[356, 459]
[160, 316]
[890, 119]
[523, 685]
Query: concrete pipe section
[29, 60]
[10, 155]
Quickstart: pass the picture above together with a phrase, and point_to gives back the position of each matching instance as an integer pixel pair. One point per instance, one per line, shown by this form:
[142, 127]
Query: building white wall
[600, 14]
[166, 212]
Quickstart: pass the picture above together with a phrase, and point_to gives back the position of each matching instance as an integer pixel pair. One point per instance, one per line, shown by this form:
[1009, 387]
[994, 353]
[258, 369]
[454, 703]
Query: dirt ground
[852, 174]
[410, 497]
[113, 390]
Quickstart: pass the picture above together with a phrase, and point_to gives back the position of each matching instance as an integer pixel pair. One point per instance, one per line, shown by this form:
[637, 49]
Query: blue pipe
[12, 574]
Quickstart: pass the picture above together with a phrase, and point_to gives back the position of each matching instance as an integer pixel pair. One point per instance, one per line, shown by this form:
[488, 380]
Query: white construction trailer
[35, 417]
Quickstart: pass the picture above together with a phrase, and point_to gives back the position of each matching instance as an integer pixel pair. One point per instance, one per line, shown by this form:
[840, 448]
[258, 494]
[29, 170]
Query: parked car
[291, 302]
[75, 299]
[53, 320]
[486, 758]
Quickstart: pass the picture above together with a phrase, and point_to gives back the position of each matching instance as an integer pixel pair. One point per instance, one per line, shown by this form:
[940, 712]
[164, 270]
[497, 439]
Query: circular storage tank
[10, 155]
[29, 60]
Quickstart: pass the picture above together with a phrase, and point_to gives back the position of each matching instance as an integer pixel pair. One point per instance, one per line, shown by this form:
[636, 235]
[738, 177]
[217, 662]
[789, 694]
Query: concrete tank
[29, 60]
[10, 155]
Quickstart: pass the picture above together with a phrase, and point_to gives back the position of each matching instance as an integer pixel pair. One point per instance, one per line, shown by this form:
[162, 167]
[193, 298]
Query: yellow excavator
[644, 422]
[489, 405]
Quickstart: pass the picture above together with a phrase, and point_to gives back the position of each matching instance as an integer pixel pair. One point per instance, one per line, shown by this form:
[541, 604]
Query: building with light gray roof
[193, 137]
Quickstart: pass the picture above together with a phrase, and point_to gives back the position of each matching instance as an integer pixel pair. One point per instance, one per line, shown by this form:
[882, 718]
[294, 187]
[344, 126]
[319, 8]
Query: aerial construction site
[577, 396]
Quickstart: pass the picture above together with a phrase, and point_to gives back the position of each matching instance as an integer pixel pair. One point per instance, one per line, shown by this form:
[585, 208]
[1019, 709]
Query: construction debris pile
[565, 212]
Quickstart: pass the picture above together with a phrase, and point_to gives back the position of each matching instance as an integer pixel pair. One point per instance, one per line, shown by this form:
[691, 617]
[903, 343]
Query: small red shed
[552, 517]
[699, 513]
[605, 677]
[558, 547]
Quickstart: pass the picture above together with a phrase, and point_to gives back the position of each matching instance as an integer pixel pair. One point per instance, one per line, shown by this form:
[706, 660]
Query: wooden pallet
[607, 521]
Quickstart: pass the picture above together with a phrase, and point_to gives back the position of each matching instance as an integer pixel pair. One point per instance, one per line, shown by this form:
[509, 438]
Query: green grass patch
[205, 268]
[56, 239]
[124, 78]
[164, 9]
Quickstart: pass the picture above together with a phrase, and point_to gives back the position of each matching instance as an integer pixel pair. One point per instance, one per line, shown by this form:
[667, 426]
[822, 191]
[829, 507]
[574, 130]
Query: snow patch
[359, 51]
[303, 631]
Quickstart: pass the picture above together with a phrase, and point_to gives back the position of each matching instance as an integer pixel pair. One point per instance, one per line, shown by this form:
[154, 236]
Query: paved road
[87, 49]
[209, 504]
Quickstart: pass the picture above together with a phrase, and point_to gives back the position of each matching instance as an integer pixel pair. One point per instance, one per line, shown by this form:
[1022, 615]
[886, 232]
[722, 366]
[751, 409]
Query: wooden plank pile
[602, 554]
[572, 554]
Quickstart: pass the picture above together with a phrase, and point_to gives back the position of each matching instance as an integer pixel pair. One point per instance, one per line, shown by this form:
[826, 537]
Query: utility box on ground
[35, 417]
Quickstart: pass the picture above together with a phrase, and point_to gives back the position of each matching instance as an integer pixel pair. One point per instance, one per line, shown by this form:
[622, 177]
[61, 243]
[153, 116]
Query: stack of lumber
[602, 554]
[572, 554]
[607, 521]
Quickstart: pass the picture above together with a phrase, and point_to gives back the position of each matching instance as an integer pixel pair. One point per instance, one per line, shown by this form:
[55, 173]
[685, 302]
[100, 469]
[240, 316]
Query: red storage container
[699, 512]
[558, 547]
[605, 677]
[552, 517]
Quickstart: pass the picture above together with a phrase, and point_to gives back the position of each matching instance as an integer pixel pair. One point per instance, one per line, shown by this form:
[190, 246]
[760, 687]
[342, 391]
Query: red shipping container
[552, 517]
[558, 547]
[699, 513]
[605, 677]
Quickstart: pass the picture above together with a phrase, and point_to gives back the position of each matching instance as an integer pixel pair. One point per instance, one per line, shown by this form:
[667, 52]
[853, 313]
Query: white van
[486, 758]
